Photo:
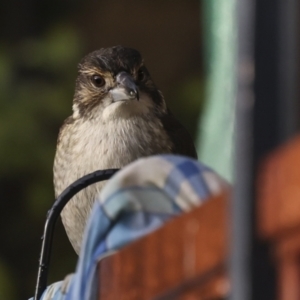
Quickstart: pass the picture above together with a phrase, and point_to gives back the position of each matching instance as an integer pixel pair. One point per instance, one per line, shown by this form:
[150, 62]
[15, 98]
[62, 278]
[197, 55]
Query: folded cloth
[137, 200]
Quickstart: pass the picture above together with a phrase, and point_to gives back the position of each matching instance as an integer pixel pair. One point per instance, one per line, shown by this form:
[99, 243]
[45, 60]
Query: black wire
[52, 216]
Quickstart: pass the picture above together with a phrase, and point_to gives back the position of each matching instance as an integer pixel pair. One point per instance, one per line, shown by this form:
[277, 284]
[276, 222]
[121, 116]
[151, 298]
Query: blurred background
[41, 45]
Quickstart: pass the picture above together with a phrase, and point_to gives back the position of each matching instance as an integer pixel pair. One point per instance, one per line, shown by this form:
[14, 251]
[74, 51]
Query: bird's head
[113, 83]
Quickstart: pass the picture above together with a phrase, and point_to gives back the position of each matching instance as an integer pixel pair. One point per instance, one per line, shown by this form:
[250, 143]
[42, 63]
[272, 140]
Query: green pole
[215, 138]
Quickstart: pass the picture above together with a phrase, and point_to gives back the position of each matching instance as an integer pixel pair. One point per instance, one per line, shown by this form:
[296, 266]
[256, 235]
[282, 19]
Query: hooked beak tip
[121, 94]
[135, 93]
[125, 81]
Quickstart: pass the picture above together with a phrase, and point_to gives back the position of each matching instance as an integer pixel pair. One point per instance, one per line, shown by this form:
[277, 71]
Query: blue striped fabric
[137, 200]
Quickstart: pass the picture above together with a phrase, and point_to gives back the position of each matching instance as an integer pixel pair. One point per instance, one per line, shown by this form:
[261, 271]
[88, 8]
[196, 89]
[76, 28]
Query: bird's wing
[182, 141]
[61, 155]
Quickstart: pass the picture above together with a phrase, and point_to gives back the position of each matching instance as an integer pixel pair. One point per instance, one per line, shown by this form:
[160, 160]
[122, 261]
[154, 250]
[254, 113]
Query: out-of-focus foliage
[36, 88]
[32, 107]
[6, 283]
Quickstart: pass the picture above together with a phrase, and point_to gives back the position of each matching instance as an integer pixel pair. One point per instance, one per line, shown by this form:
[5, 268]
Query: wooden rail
[185, 259]
[279, 215]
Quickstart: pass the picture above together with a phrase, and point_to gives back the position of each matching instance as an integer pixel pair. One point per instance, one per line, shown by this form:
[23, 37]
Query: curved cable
[52, 216]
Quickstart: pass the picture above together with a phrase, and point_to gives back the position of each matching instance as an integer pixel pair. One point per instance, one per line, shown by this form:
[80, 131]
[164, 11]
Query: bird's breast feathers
[90, 145]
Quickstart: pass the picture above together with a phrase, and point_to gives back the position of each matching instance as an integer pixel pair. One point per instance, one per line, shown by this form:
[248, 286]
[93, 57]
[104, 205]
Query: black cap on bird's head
[114, 75]
[113, 59]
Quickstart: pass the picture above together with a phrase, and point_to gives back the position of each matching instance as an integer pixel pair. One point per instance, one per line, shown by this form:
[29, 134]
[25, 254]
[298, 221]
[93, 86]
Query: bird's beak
[125, 89]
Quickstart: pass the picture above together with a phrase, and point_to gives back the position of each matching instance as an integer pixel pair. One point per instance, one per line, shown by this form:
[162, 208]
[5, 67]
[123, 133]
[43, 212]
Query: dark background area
[41, 45]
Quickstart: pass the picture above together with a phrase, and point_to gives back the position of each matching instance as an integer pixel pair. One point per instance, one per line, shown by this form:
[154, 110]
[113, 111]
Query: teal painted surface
[216, 128]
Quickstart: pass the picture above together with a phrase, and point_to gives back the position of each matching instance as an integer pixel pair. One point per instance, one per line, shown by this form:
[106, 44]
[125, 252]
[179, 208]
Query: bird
[118, 116]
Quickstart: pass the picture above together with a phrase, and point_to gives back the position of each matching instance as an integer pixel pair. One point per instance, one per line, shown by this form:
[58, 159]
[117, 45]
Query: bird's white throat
[128, 108]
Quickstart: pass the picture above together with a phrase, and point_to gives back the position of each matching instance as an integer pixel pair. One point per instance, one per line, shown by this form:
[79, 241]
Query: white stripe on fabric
[188, 195]
[142, 172]
[214, 182]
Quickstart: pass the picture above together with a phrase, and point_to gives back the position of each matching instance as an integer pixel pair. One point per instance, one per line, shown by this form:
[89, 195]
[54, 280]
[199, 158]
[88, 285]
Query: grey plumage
[118, 116]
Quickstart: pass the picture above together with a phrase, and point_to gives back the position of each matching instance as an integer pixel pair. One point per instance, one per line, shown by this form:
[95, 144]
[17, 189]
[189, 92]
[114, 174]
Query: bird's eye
[98, 80]
[141, 75]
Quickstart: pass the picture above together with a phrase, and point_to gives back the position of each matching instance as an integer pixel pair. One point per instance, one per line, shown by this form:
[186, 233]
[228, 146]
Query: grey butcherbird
[118, 116]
